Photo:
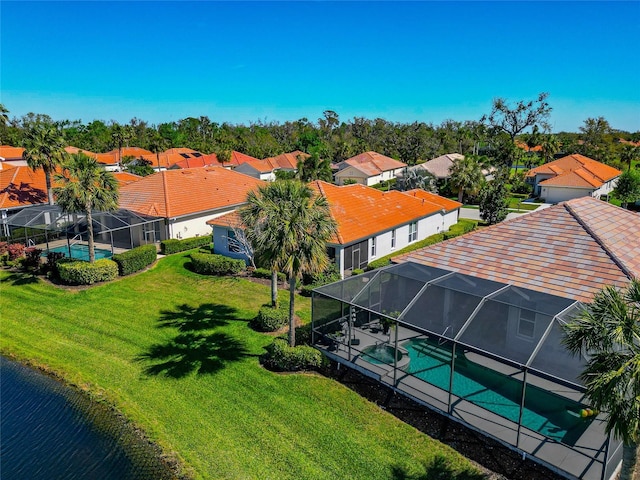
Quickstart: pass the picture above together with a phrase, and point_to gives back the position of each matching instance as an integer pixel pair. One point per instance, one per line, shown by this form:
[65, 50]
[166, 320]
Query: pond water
[51, 431]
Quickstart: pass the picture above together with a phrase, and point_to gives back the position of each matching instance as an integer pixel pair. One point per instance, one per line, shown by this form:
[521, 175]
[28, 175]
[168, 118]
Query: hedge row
[281, 357]
[85, 273]
[266, 273]
[167, 247]
[270, 319]
[213, 264]
[135, 259]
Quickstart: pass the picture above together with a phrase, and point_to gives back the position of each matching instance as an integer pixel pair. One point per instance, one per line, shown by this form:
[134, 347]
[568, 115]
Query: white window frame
[373, 247]
[413, 231]
[393, 239]
[523, 319]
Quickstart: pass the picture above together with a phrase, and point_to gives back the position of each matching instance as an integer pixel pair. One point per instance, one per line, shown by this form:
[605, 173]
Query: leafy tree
[224, 156]
[4, 115]
[120, 136]
[608, 331]
[515, 119]
[628, 187]
[494, 205]
[550, 146]
[314, 168]
[466, 175]
[289, 226]
[628, 154]
[417, 178]
[44, 149]
[137, 166]
[594, 134]
[84, 187]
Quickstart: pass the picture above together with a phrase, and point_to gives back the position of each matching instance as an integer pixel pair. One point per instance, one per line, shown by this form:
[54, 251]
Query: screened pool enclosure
[485, 353]
[49, 228]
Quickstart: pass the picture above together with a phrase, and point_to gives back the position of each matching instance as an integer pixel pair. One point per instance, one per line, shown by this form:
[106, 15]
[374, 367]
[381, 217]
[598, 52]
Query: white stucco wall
[194, 225]
[562, 194]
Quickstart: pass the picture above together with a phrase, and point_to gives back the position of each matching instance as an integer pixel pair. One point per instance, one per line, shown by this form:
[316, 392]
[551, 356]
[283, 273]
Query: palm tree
[608, 330]
[312, 167]
[44, 148]
[158, 144]
[289, 226]
[629, 154]
[550, 146]
[4, 115]
[86, 186]
[120, 135]
[466, 175]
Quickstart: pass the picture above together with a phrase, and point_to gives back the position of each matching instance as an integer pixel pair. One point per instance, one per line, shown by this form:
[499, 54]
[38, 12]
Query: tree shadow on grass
[438, 469]
[189, 319]
[193, 350]
[21, 279]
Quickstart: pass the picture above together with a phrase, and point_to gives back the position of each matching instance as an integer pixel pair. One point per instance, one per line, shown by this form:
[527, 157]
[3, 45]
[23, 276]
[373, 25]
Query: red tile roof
[22, 187]
[231, 219]
[287, 160]
[575, 171]
[442, 202]
[174, 193]
[527, 148]
[372, 163]
[125, 178]
[194, 162]
[572, 249]
[362, 212]
[7, 152]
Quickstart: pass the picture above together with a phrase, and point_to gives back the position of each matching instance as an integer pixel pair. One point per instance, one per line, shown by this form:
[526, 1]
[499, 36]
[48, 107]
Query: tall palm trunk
[92, 251]
[274, 288]
[47, 178]
[629, 459]
[460, 194]
[292, 322]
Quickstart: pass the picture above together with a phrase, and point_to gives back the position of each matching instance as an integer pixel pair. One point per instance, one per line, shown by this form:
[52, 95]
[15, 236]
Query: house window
[393, 238]
[373, 247]
[527, 324]
[413, 231]
[233, 244]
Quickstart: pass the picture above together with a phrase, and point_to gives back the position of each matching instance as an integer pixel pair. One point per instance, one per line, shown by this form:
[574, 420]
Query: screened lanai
[485, 353]
[49, 228]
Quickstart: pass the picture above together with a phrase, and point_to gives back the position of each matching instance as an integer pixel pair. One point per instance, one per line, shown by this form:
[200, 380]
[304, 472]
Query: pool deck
[63, 243]
[584, 459]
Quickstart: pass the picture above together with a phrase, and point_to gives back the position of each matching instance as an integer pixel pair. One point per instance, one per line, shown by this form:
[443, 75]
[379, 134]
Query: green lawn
[172, 350]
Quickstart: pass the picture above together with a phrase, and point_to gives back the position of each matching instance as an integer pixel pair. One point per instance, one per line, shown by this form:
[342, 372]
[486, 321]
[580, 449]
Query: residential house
[266, 169]
[370, 223]
[474, 328]
[187, 198]
[11, 157]
[368, 168]
[109, 161]
[571, 177]
[20, 187]
[439, 167]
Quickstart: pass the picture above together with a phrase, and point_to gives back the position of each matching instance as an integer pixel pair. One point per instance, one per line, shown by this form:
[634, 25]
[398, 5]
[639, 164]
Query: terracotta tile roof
[526, 148]
[372, 163]
[194, 162]
[572, 249]
[287, 160]
[125, 178]
[575, 170]
[180, 150]
[7, 152]
[442, 202]
[362, 212]
[231, 219]
[440, 166]
[132, 152]
[22, 187]
[629, 142]
[104, 158]
[174, 193]
[262, 166]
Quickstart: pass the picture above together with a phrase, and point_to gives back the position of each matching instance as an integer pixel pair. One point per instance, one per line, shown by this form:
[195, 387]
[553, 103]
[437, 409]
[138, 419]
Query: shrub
[32, 258]
[135, 259]
[167, 247]
[4, 258]
[460, 228]
[270, 319]
[266, 273]
[283, 358]
[330, 275]
[16, 250]
[213, 264]
[50, 268]
[357, 271]
[386, 260]
[76, 272]
[4, 247]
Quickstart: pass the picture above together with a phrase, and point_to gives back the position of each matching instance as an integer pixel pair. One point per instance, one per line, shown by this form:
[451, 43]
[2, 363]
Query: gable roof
[572, 249]
[7, 152]
[174, 193]
[124, 178]
[361, 212]
[440, 166]
[22, 187]
[194, 162]
[442, 202]
[371, 163]
[575, 170]
[231, 219]
[287, 160]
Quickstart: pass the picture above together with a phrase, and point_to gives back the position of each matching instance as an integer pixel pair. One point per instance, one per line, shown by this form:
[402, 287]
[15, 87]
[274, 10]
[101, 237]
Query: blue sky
[248, 61]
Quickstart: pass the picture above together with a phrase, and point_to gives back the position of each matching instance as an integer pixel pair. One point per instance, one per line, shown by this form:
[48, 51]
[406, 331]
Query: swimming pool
[80, 252]
[545, 412]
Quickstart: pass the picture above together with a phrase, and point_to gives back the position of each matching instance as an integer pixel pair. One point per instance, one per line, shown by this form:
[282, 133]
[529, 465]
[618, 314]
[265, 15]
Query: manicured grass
[172, 350]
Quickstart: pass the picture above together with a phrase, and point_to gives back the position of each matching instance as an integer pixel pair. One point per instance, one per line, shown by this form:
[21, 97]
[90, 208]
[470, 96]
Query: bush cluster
[32, 258]
[330, 275]
[266, 273]
[270, 319]
[167, 247]
[463, 226]
[76, 272]
[213, 264]
[136, 259]
[15, 250]
[283, 358]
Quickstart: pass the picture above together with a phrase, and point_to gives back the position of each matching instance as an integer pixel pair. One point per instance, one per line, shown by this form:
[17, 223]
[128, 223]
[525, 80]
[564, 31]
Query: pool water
[544, 412]
[80, 252]
[380, 354]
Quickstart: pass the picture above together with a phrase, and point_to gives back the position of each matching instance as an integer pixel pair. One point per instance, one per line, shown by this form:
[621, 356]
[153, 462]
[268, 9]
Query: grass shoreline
[172, 352]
